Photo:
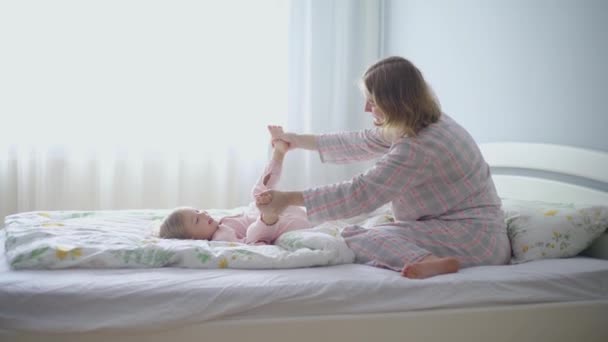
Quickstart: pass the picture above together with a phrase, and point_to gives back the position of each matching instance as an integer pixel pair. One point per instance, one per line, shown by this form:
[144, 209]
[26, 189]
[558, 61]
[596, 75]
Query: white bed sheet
[119, 299]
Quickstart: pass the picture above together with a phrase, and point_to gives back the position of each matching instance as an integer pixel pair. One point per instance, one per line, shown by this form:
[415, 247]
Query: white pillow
[540, 230]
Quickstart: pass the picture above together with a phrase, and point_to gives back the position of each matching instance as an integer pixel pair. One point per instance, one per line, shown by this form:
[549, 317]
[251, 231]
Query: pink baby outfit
[440, 188]
[249, 227]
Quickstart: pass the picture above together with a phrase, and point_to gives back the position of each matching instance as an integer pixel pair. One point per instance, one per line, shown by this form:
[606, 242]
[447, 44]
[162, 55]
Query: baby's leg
[272, 173]
[278, 155]
[260, 233]
[277, 143]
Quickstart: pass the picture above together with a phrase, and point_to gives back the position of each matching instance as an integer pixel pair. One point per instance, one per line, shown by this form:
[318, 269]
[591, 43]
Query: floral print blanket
[126, 239]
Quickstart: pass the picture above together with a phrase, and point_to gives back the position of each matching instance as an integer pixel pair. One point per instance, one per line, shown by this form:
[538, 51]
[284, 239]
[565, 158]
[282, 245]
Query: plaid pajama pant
[396, 245]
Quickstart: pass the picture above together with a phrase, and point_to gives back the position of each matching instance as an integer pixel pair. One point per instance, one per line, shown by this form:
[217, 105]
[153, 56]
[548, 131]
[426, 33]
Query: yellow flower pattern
[63, 252]
[53, 224]
[77, 252]
[552, 231]
[223, 263]
[551, 212]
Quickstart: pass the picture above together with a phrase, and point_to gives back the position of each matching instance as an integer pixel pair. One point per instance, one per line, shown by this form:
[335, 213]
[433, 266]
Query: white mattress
[88, 300]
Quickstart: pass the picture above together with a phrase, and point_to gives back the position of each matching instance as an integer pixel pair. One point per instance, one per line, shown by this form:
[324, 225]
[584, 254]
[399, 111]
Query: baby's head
[188, 223]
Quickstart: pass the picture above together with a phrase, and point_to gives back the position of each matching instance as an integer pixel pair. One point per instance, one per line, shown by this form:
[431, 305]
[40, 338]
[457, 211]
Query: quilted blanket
[126, 239]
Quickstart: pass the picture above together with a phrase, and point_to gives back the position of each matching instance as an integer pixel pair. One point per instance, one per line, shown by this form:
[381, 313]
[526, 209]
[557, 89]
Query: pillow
[541, 230]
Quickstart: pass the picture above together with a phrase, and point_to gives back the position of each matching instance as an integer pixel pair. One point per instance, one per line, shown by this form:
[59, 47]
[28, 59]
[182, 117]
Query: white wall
[518, 70]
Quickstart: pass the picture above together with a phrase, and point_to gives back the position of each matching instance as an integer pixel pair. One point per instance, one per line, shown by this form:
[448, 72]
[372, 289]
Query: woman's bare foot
[278, 144]
[431, 266]
[267, 218]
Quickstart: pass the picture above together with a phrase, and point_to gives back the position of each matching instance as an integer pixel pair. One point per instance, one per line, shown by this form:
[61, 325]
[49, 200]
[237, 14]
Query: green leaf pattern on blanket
[202, 255]
[150, 257]
[34, 254]
[116, 239]
[292, 241]
[243, 253]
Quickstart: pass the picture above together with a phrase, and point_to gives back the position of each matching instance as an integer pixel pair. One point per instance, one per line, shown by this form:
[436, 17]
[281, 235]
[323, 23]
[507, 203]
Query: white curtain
[155, 104]
[331, 44]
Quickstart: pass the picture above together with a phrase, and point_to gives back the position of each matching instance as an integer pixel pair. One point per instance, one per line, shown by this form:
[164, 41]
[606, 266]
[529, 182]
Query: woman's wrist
[306, 141]
[297, 141]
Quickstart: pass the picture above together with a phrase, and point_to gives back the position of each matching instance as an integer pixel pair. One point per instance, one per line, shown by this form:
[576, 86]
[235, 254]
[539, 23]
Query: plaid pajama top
[439, 174]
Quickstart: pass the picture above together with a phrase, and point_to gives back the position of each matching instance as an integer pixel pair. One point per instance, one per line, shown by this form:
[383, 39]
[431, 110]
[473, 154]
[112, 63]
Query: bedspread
[126, 239]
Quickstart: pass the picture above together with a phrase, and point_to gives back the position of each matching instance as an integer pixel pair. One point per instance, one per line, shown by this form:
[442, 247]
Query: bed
[550, 299]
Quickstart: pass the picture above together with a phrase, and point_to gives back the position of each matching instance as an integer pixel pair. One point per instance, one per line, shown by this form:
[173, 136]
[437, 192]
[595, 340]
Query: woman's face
[370, 107]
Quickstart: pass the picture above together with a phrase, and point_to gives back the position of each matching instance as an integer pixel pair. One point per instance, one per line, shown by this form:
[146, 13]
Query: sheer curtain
[137, 104]
[155, 104]
[331, 44]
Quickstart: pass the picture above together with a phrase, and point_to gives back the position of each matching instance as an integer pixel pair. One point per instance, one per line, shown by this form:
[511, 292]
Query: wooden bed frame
[571, 321]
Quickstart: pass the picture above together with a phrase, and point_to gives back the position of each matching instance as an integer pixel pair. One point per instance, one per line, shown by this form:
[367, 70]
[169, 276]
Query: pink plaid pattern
[442, 195]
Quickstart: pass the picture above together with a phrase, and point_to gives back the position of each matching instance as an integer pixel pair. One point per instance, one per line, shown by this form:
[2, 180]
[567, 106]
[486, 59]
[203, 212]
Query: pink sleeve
[351, 146]
[403, 167]
[269, 178]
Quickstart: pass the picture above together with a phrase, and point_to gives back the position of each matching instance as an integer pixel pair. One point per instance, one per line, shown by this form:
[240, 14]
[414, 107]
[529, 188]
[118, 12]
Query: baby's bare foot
[269, 219]
[431, 266]
[263, 199]
[277, 143]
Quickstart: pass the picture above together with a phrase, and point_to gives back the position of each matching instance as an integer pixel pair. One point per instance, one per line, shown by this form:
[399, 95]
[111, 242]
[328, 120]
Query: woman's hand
[295, 140]
[290, 138]
[274, 202]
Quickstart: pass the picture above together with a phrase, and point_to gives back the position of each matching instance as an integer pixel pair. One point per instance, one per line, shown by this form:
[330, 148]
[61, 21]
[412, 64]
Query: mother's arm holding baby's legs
[294, 140]
[274, 202]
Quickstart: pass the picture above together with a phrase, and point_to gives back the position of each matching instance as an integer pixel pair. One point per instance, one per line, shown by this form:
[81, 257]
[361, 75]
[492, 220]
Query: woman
[447, 212]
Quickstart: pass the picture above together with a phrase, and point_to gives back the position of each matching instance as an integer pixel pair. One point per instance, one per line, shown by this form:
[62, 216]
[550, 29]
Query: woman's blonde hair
[172, 226]
[398, 89]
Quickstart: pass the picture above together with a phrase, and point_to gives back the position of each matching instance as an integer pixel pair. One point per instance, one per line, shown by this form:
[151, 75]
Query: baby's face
[198, 224]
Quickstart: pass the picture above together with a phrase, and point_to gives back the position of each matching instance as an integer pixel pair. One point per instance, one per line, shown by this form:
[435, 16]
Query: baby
[251, 227]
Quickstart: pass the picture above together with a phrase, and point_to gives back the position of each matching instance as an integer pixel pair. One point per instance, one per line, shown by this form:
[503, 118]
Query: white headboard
[547, 172]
